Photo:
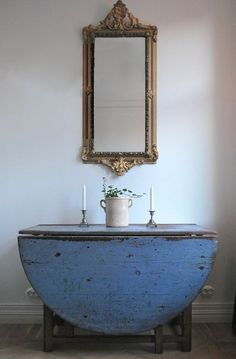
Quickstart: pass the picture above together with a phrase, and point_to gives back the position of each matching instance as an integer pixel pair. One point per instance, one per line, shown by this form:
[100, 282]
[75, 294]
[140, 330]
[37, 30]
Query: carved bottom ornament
[119, 165]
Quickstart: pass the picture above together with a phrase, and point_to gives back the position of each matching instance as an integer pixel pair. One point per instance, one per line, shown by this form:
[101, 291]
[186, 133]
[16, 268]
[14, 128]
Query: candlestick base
[151, 222]
[84, 222]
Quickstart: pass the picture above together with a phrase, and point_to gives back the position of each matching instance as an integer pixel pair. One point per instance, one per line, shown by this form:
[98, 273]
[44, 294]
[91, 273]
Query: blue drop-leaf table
[118, 282]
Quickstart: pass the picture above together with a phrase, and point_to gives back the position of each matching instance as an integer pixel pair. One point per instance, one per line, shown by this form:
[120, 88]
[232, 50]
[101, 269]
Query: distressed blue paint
[120, 285]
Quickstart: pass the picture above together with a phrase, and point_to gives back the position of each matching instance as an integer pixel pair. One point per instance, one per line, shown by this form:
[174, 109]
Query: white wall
[41, 173]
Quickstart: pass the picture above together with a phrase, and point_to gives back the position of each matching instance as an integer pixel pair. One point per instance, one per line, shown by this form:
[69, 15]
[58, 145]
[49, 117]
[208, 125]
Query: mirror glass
[119, 94]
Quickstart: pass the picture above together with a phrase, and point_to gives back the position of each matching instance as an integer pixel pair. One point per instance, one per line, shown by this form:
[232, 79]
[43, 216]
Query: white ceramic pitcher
[116, 209]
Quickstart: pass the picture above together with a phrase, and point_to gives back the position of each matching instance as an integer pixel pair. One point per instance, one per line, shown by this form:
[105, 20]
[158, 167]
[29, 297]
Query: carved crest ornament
[120, 22]
[121, 19]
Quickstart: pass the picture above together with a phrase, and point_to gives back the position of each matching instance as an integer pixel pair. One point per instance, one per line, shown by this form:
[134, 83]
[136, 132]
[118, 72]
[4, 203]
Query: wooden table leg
[47, 329]
[69, 329]
[187, 329]
[158, 339]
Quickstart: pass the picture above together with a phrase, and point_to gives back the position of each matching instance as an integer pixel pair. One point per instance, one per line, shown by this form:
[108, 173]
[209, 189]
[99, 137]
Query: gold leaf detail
[120, 166]
[88, 90]
[85, 152]
[154, 154]
[150, 94]
[120, 18]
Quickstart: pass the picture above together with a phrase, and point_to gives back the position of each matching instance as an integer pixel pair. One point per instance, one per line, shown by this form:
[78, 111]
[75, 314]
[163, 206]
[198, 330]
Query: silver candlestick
[83, 222]
[151, 222]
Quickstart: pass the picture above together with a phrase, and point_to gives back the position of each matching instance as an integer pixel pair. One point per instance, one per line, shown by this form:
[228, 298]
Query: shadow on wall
[225, 148]
[186, 120]
[11, 273]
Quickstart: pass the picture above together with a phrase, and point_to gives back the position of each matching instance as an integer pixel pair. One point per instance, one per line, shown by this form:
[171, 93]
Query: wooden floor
[25, 342]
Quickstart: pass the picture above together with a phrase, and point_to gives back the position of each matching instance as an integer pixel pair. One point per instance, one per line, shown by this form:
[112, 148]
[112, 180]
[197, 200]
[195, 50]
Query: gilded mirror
[119, 91]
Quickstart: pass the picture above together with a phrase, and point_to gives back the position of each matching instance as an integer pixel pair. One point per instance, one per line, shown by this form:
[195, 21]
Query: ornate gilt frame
[119, 23]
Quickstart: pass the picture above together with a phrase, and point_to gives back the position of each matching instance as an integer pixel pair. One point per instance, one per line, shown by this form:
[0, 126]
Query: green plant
[111, 191]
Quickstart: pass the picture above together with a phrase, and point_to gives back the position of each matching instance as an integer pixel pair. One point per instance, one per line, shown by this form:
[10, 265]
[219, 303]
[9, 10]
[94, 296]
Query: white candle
[151, 198]
[84, 197]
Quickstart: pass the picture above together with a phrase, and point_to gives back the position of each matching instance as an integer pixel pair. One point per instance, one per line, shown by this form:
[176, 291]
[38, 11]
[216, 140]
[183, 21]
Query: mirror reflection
[119, 94]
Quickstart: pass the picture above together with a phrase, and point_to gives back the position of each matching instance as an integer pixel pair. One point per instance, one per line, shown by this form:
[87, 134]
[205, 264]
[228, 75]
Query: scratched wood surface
[117, 286]
[134, 229]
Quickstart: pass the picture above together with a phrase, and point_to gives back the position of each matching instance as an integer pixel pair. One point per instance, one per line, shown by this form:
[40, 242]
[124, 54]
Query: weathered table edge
[135, 229]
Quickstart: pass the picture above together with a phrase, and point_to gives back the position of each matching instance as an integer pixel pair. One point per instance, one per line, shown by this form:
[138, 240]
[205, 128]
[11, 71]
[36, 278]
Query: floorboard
[214, 341]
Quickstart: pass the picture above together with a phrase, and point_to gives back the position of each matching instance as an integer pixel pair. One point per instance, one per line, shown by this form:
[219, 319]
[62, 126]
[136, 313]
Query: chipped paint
[117, 286]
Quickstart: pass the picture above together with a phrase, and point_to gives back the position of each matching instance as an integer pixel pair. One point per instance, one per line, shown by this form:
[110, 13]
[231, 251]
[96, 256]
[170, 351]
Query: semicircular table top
[117, 280]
